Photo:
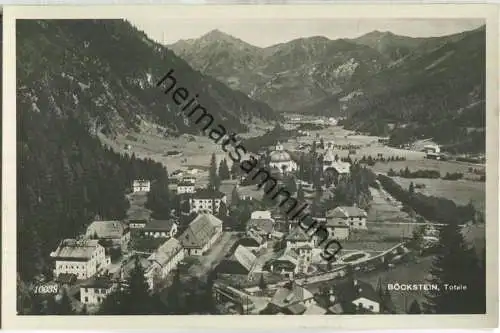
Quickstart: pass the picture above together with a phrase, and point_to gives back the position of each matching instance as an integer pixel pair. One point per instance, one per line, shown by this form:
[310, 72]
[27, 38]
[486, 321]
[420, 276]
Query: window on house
[86, 300]
[371, 307]
[86, 290]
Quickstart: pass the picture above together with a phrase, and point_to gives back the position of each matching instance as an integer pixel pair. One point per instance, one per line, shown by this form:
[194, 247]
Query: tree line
[66, 179]
[432, 208]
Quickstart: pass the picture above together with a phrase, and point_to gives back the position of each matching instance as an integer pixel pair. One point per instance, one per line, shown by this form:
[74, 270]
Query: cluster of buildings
[87, 260]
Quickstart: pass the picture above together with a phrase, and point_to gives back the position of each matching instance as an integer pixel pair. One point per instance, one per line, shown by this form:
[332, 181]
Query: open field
[460, 191]
[427, 164]
[338, 135]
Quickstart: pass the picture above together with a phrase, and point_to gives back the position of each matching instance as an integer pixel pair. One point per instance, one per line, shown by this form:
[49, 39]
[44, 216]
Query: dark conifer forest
[65, 179]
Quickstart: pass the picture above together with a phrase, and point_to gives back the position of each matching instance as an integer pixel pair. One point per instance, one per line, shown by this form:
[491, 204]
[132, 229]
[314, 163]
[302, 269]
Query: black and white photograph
[252, 166]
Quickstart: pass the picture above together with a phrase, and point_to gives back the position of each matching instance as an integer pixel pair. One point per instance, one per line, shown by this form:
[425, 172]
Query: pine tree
[208, 302]
[414, 308]
[300, 194]
[222, 213]
[175, 301]
[290, 185]
[84, 311]
[262, 283]
[158, 200]
[454, 263]
[235, 170]
[235, 197]
[411, 188]
[224, 172]
[64, 307]
[132, 298]
[214, 179]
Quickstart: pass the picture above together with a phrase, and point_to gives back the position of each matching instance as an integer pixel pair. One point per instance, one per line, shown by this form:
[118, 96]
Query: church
[281, 160]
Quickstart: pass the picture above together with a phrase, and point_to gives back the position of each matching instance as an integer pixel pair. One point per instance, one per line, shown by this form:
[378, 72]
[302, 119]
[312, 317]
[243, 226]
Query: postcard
[201, 162]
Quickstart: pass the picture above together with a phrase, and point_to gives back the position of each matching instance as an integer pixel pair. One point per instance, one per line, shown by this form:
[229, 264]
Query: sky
[267, 32]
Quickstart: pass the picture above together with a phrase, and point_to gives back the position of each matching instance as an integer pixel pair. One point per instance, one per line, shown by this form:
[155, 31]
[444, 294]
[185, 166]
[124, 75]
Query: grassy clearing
[419, 164]
[137, 211]
[460, 191]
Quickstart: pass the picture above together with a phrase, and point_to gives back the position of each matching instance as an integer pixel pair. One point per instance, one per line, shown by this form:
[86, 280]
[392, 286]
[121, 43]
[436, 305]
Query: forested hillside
[65, 179]
[439, 94]
[106, 72]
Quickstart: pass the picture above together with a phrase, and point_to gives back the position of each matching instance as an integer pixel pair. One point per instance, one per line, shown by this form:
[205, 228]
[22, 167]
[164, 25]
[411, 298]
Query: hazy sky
[268, 32]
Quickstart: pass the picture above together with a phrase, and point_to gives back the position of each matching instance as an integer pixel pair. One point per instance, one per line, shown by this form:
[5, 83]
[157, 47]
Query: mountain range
[105, 71]
[381, 82]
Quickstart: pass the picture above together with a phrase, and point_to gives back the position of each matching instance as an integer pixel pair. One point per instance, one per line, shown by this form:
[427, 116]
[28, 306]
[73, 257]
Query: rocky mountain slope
[105, 71]
[392, 46]
[287, 76]
[438, 91]
[384, 84]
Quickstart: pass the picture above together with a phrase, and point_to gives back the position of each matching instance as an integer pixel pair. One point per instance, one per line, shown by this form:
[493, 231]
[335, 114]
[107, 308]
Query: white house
[337, 227]
[365, 297]
[189, 179]
[206, 201]
[137, 223]
[115, 231]
[340, 169]
[94, 291]
[185, 187]
[160, 228]
[261, 214]
[83, 258]
[204, 231]
[432, 151]
[141, 185]
[163, 261]
[354, 217]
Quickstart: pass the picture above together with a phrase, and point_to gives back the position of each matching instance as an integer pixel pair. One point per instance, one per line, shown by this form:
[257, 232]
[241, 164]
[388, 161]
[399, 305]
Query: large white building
[353, 217]
[281, 160]
[206, 201]
[83, 258]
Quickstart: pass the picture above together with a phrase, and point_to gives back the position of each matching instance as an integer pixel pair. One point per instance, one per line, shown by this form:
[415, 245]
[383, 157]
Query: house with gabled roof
[201, 234]
[285, 262]
[95, 290]
[291, 299]
[352, 216]
[298, 237]
[116, 232]
[165, 259]
[355, 296]
[159, 229]
[240, 262]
